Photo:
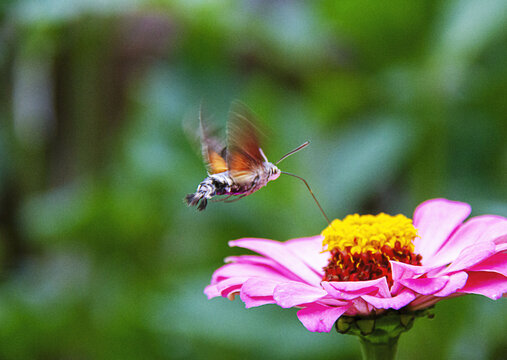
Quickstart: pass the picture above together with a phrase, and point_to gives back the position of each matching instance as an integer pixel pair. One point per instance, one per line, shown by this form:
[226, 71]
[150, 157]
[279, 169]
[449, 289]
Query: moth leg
[236, 199]
[222, 199]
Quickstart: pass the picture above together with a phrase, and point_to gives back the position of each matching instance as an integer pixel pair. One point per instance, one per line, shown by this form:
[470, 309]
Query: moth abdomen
[191, 199]
[206, 190]
[198, 199]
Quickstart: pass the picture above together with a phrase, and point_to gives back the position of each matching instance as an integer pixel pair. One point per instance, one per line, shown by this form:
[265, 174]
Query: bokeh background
[100, 259]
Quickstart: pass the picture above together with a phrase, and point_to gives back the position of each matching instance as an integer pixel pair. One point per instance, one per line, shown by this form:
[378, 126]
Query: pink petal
[231, 285]
[496, 230]
[211, 291]
[320, 318]
[348, 290]
[359, 307]
[309, 250]
[254, 260]
[291, 294]
[435, 220]
[496, 263]
[396, 302]
[262, 262]
[333, 302]
[425, 286]
[283, 256]
[257, 292]
[255, 301]
[259, 287]
[490, 284]
[471, 256]
[477, 229]
[501, 243]
[246, 270]
[456, 281]
[402, 271]
[406, 271]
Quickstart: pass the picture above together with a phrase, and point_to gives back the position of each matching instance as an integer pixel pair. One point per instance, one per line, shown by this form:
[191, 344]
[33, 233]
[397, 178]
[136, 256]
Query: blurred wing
[244, 157]
[213, 150]
[216, 163]
[244, 178]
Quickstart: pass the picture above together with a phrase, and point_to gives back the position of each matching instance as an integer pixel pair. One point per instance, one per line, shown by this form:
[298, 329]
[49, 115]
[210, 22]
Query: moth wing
[215, 163]
[213, 150]
[244, 157]
[244, 178]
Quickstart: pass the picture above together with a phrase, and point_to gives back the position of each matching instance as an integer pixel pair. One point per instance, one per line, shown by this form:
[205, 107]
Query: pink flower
[457, 258]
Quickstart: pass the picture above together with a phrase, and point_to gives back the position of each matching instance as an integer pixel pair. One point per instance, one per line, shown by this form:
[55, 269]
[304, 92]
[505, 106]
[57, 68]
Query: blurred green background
[100, 259]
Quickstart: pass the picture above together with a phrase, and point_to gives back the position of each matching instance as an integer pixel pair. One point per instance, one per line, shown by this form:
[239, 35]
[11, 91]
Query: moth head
[273, 172]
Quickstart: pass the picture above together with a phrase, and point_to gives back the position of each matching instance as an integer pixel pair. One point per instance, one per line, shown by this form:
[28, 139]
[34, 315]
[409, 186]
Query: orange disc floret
[361, 246]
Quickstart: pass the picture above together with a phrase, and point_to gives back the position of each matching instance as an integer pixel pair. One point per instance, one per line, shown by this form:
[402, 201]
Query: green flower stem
[378, 351]
[379, 333]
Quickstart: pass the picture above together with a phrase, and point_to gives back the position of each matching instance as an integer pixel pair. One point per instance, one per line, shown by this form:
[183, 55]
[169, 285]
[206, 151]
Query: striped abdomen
[213, 185]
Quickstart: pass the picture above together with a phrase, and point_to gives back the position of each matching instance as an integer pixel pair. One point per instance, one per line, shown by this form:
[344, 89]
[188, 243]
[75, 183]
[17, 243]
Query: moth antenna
[308, 186]
[302, 146]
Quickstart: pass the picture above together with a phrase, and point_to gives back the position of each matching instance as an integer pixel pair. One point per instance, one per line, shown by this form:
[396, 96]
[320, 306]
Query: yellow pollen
[363, 233]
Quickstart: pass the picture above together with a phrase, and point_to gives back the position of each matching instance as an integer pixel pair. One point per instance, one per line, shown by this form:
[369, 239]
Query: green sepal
[391, 323]
[379, 333]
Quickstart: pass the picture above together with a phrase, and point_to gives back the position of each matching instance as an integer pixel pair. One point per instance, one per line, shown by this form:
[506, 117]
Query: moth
[239, 168]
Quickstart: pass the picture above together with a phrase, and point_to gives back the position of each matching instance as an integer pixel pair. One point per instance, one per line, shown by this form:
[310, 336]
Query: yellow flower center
[361, 247]
[363, 233]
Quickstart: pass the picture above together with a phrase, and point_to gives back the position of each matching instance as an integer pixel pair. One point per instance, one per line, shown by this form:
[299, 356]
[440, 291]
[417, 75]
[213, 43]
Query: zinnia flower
[366, 265]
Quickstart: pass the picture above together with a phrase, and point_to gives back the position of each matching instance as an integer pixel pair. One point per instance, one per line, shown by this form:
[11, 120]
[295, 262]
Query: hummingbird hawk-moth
[239, 168]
